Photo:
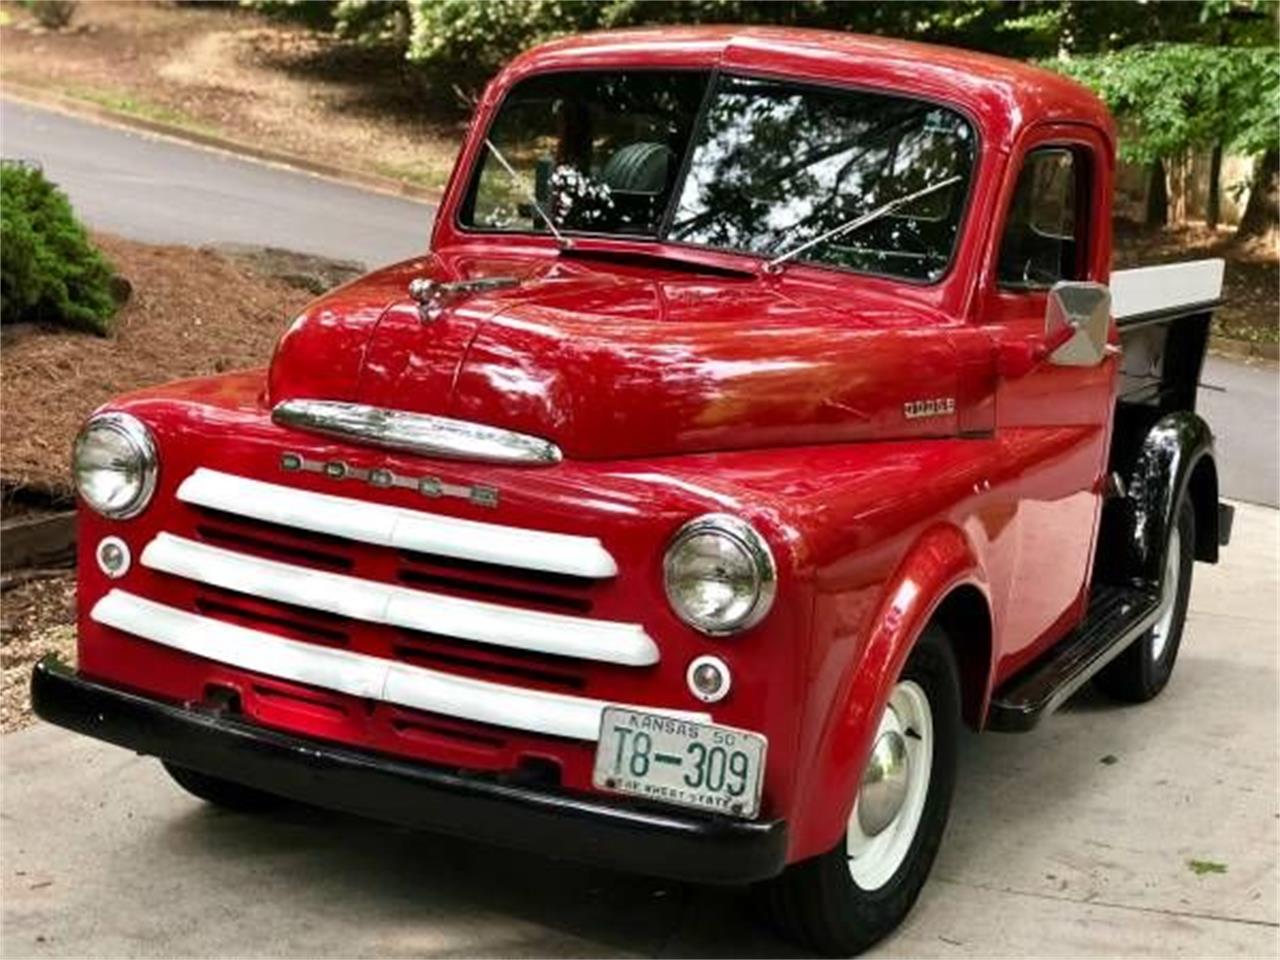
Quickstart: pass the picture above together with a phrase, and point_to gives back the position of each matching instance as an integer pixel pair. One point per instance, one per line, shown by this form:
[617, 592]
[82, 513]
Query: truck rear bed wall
[1159, 373]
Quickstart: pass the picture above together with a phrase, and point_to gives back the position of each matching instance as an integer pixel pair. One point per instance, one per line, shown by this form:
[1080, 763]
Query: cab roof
[1002, 96]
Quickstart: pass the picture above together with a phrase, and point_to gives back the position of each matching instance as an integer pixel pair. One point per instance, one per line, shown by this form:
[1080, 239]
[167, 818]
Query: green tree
[1177, 97]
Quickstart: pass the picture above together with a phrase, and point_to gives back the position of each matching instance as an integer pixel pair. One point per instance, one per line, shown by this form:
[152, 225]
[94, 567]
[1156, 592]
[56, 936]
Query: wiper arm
[565, 242]
[860, 221]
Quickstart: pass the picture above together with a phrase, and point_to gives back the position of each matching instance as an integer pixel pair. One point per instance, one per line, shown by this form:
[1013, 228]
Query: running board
[1117, 616]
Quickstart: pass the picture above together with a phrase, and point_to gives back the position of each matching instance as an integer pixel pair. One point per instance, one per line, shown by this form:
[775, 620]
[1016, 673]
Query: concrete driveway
[1111, 831]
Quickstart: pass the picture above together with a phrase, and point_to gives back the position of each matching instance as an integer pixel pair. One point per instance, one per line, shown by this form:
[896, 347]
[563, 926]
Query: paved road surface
[1074, 840]
[1240, 403]
[153, 189]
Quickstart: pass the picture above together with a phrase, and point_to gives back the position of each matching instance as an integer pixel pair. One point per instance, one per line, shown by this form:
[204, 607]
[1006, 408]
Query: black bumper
[680, 847]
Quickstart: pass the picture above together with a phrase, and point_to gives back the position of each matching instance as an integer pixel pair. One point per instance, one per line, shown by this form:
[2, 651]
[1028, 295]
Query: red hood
[611, 361]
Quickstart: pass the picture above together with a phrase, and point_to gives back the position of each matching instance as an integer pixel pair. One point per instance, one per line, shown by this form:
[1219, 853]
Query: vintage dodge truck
[764, 409]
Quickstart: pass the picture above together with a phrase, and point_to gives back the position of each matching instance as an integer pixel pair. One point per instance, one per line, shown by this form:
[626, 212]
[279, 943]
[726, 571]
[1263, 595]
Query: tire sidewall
[859, 916]
[1160, 670]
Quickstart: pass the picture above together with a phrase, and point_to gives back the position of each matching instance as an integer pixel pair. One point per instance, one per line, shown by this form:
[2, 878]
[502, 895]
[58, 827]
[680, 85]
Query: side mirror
[1076, 322]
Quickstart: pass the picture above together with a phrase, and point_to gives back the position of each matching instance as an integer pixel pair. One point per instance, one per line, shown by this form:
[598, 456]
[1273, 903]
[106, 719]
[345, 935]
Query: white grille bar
[358, 674]
[606, 640]
[397, 527]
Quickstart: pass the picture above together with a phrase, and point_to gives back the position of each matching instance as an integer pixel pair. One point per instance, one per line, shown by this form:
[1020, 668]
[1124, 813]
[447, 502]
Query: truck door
[1052, 424]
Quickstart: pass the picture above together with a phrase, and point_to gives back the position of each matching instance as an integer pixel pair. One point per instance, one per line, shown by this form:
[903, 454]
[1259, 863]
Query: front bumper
[576, 827]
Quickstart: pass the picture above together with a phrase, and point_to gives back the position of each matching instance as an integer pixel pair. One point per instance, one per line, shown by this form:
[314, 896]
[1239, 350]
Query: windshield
[770, 167]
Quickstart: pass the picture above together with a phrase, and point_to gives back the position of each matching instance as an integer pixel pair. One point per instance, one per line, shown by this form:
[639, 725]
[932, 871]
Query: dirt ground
[193, 312]
[224, 70]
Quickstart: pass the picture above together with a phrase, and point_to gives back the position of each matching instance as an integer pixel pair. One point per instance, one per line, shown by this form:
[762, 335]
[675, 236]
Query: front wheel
[843, 901]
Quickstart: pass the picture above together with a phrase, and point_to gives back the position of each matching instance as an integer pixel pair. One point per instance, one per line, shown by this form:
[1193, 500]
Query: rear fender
[1176, 454]
[940, 560]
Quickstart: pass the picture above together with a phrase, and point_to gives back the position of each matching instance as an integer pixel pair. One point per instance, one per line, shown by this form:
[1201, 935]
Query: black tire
[1138, 675]
[222, 793]
[817, 902]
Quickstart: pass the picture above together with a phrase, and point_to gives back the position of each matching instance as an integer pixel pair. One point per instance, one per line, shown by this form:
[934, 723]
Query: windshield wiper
[860, 221]
[565, 242]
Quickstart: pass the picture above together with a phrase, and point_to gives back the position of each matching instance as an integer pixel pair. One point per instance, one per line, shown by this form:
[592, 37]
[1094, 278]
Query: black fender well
[1176, 458]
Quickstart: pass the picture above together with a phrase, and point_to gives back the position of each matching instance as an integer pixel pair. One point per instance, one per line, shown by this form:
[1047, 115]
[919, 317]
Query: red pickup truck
[764, 409]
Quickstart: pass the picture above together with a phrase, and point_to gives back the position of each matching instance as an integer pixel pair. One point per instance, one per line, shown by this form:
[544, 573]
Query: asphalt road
[1109, 831]
[1240, 402]
[161, 191]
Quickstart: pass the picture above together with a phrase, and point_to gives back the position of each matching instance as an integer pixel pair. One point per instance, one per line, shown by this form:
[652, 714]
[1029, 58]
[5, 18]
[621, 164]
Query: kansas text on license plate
[677, 761]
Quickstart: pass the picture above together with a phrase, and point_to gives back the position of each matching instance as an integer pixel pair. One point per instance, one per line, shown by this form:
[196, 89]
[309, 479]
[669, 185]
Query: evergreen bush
[49, 271]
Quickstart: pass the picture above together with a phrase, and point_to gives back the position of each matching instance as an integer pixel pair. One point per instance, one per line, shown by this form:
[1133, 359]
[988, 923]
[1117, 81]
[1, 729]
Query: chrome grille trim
[609, 641]
[419, 433]
[397, 527]
[359, 674]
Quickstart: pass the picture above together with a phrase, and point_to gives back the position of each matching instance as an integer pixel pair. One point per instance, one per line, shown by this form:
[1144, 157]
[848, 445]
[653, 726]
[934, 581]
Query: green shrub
[49, 271]
[52, 14]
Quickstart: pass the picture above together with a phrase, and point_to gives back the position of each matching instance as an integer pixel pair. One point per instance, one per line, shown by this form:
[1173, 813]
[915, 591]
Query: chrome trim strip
[359, 674]
[609, 641]
[419, 433]
[397, 527]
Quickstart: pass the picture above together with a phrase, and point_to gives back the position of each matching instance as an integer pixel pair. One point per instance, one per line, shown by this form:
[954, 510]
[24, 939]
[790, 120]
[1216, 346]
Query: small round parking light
[113, 557]
[709, 679]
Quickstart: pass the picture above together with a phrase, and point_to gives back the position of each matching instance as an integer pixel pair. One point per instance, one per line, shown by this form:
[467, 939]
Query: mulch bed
[192, 313]
[36, 618]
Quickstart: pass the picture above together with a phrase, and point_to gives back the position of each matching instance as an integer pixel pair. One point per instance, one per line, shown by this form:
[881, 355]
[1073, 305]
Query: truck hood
[609, 360]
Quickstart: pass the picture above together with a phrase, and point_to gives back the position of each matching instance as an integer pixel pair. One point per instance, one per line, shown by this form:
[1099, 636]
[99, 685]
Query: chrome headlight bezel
[142, 448]
[742, 537]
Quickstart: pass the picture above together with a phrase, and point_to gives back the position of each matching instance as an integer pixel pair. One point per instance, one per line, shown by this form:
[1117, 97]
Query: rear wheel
[222, 793]
[1144, 668]
[844, 900]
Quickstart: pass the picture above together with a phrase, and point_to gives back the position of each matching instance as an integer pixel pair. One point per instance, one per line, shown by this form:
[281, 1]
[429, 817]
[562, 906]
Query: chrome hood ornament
[420, 433]
[433, 297]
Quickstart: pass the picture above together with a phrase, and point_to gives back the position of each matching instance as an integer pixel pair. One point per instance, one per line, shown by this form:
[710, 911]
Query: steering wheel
[1034, 275]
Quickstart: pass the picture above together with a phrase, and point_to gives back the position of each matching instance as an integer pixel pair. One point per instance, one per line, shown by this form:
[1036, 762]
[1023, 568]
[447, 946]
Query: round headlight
[719, 574]
[115, 465]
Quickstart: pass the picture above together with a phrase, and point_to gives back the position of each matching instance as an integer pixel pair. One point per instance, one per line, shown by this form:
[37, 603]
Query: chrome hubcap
[895, 784]
[1168, 596]
[884, 783]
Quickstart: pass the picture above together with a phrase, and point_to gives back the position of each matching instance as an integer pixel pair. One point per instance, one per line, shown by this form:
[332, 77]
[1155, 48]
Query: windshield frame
[715, 75]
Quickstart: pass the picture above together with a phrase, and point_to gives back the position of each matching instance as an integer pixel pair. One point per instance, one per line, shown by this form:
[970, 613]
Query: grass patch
[1201, 867]
[126, 103]
[431, 176]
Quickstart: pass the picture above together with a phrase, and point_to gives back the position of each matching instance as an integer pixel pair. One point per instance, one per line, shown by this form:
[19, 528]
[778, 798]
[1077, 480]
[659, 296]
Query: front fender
[940, 560]
[1170, 453]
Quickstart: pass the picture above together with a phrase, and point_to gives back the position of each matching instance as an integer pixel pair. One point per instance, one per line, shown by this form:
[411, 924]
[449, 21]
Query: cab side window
[1044, 235]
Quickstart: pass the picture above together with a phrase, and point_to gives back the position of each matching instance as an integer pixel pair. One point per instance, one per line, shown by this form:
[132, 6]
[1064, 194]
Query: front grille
[431, 622]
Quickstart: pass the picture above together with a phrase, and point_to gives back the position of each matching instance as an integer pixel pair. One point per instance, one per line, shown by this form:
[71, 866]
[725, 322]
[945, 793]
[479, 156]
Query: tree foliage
[1182, 96]
[1186, 74]
[50, 271]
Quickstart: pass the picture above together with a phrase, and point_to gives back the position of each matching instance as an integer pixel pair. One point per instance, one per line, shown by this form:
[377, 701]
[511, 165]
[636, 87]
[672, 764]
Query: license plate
[677, 761]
